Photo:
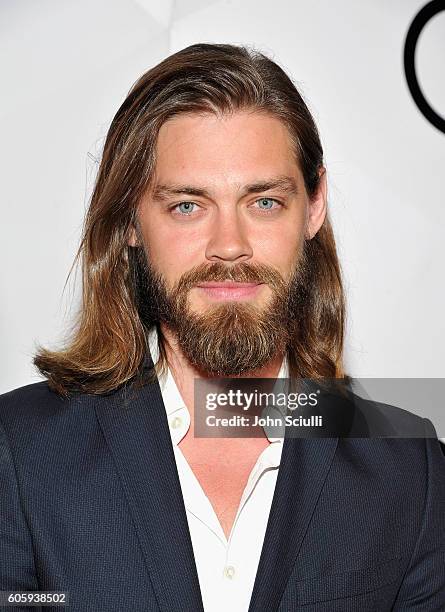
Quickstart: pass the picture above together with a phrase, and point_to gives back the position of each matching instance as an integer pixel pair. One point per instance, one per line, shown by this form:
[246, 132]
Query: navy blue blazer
[90, 504]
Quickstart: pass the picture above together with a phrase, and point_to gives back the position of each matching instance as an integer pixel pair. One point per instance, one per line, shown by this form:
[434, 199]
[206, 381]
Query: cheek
[169, 241]
[281, 245]
[172, 254]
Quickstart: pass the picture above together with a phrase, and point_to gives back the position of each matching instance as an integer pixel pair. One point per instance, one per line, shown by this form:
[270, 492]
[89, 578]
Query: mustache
[242, 272]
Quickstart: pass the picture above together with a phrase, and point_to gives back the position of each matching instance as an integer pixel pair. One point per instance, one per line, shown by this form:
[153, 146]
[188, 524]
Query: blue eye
[266, 202]
[187, 207]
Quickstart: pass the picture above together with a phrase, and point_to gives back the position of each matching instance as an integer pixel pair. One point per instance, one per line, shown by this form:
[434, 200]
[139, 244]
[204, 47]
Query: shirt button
[176, 423]
[229, 572]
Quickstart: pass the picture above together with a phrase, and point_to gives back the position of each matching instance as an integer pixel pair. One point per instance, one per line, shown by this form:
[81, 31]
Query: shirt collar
[178, 414]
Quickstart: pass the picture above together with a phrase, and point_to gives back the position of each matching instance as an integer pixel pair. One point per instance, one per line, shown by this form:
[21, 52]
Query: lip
[229, 290]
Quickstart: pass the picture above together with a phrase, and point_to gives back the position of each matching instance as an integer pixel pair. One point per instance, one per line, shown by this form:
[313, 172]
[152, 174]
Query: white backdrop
[66, 67]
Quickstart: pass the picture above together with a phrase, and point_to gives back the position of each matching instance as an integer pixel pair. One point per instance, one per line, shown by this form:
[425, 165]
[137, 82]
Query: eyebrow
[286, 184]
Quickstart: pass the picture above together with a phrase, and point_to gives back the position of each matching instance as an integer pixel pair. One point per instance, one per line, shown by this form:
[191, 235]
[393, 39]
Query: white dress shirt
[226, 567]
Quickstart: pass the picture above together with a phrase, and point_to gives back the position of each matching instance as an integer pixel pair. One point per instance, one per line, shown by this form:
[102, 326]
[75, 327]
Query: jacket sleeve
[423, 586]
[17, 569]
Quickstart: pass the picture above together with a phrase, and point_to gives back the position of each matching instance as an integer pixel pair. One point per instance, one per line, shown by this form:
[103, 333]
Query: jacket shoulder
[386, 420]
[30, 401]
[34, 391]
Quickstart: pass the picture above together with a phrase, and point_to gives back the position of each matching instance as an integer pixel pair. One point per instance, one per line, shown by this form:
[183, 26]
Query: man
[207, 252]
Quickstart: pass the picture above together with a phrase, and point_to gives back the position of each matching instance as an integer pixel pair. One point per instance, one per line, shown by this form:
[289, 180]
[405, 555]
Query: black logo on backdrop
[420, 20]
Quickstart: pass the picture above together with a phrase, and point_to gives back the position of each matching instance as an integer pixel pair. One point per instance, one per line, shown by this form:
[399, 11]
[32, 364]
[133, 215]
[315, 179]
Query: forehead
[231, 148]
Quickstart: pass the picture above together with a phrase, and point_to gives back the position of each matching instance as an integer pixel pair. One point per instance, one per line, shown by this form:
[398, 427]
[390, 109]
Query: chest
[223, 469]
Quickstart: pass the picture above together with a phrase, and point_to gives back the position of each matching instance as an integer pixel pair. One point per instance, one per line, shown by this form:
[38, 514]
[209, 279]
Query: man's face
[227, 203]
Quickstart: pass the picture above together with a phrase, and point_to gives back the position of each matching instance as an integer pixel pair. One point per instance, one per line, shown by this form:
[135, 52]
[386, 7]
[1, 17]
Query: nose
[228, 240]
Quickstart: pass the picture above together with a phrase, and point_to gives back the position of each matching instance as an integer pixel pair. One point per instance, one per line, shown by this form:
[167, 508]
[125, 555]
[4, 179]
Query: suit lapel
[304, 466]
[135, 427]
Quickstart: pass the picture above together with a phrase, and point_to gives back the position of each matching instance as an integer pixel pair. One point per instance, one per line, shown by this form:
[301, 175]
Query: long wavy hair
[107, 343]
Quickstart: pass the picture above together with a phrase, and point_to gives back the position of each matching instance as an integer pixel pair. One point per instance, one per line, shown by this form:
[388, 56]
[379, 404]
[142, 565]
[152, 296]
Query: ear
[317, 206]
[132, 236]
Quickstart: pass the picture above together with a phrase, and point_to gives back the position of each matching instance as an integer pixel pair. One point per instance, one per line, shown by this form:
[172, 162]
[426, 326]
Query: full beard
[228, 338]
